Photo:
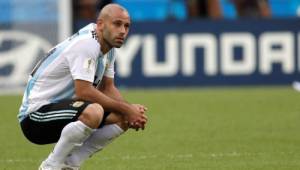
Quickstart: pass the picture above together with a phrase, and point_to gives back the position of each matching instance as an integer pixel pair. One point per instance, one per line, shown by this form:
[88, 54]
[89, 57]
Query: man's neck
[104, 47]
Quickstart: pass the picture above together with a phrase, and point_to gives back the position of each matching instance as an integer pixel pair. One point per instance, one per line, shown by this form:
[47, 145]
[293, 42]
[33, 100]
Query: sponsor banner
[209, 53]
[26, 35]
[21, 46]
[171, 54]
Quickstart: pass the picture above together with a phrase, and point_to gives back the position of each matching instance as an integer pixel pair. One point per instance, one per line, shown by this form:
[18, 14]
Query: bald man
[71, 99]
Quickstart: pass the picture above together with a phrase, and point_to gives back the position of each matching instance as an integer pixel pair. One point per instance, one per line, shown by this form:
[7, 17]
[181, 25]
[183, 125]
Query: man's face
[115, 28]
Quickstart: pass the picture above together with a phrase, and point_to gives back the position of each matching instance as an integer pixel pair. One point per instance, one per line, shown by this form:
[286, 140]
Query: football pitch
[189, 129]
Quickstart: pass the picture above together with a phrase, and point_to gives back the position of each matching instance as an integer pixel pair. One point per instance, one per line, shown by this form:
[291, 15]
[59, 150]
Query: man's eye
[117, 23]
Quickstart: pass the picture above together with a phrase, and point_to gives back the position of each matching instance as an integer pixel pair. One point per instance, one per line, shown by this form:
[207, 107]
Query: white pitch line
[17, 160]
[171, 156]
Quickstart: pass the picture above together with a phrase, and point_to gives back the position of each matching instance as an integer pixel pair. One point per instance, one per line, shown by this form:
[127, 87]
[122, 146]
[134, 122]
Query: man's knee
[92, 115]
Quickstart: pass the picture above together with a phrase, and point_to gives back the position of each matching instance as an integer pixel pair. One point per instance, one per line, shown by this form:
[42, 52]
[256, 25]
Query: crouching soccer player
[71, 99]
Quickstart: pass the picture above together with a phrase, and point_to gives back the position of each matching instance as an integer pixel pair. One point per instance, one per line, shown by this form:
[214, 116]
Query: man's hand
[141, 108]
[137, 119]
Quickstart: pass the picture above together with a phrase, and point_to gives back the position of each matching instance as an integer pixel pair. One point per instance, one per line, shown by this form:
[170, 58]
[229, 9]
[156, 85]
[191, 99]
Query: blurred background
[216, 76]
[172, 43]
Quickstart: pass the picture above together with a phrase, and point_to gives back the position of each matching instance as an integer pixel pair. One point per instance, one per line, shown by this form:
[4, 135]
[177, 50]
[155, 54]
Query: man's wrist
[124, 107]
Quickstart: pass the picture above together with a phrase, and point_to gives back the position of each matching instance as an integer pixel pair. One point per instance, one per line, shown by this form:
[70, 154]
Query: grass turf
[189, 129]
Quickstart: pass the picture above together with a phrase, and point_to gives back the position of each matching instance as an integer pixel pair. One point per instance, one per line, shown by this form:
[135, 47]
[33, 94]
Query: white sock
[96, 142]
[73, 134]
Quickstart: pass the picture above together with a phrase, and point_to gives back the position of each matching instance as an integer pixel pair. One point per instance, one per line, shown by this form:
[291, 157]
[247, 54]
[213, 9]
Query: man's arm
[84, 90]
[108, 87]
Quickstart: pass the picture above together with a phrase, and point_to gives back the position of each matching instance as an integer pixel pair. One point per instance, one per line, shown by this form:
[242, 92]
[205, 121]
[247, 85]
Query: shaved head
[112, 26]
[110, 9]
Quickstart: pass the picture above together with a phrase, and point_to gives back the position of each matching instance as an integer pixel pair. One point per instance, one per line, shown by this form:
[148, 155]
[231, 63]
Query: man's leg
[115, 126]
[74, 134]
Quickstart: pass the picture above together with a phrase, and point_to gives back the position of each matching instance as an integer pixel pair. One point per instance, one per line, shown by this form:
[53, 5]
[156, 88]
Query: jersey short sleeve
[81, 58]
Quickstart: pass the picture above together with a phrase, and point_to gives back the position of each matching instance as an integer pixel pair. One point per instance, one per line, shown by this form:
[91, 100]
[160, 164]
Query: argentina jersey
[52, 79]
[105, 67]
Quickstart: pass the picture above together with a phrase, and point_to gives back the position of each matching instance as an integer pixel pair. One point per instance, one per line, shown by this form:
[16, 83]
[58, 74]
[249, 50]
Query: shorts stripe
[50, 119]
[58, 111]
[53, 115]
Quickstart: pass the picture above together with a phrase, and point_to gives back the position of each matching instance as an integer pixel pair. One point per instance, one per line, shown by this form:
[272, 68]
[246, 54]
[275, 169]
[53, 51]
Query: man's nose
[123, 30]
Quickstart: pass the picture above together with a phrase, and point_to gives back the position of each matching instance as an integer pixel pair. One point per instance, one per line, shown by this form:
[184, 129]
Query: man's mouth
[120, 39]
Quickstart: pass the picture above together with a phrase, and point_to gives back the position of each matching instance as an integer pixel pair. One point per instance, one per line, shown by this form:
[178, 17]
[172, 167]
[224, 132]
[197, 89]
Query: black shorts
[44, 126]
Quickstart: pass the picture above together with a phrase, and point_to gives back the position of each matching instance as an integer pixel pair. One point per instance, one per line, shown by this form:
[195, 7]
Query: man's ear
[100, 24]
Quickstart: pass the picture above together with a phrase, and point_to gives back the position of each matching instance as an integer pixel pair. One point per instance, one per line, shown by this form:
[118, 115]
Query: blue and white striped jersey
[78, 57]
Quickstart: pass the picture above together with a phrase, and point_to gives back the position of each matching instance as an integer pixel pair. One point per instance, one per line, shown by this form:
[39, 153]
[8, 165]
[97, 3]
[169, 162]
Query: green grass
[189, 129]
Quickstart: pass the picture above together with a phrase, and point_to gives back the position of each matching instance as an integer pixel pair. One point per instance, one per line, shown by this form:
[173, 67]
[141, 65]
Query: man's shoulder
[87, 33]
[88, 38]
[85, 44]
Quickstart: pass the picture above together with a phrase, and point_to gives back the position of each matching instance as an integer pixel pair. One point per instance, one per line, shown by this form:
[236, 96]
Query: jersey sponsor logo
[106, 66]
[78, 104]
